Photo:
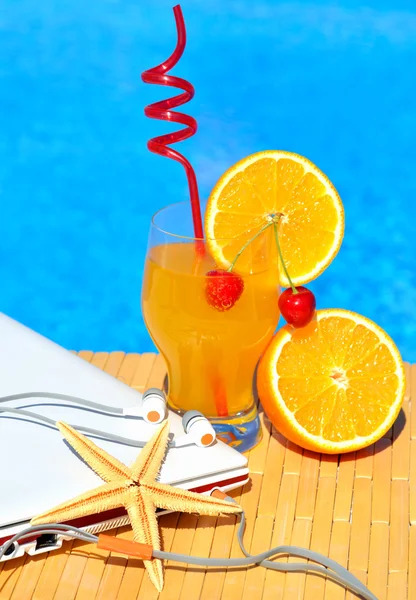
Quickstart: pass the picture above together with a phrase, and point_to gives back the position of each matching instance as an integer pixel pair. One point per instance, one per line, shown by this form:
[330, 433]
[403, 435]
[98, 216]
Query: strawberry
[223, 289]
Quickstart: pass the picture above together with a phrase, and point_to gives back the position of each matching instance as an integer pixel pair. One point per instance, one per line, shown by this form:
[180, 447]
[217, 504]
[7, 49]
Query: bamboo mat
[360, 509]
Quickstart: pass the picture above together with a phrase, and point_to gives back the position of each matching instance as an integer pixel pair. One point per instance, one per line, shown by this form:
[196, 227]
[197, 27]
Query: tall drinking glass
[211, 356]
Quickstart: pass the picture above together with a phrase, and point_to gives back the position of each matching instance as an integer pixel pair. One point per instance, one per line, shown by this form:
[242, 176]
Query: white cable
[81, 401]
[181, 441]
[154, 399]
[324, 566]
[96, 432]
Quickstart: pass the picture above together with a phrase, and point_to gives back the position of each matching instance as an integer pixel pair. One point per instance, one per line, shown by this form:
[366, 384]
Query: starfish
[135, 488]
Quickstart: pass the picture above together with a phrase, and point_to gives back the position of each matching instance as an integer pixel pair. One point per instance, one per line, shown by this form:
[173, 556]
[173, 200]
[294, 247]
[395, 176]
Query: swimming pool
[333, 82]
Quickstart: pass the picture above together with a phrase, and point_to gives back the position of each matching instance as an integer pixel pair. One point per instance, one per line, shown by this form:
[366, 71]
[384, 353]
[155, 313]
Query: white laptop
[39, 470]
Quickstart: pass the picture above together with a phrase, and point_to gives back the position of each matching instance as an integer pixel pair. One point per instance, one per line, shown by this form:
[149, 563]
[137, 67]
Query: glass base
[241, 431]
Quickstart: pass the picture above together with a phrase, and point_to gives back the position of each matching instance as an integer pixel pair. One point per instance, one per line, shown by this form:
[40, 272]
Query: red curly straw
[161, 110]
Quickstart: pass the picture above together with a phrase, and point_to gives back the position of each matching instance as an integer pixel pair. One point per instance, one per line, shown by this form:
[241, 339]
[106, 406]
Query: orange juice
[211, 356]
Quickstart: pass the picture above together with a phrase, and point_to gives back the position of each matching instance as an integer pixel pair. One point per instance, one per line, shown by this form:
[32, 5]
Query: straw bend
[162, 110]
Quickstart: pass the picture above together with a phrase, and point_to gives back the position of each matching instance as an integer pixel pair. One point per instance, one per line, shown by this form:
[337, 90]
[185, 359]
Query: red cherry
[223, 289]
[297, 309]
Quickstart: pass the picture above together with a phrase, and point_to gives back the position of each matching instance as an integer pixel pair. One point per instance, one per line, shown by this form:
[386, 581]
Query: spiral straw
[162, 110]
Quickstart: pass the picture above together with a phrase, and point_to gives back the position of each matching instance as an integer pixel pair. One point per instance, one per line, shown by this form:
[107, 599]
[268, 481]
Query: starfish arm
[104, 497]
[147, 465]
[141, 511]
[105, 465]
[176, 499]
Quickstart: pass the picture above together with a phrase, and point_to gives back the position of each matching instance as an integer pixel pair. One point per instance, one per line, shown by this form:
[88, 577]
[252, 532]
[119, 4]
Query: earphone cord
[67, 398]
[82, 402]
[327, 567]
[330, 568]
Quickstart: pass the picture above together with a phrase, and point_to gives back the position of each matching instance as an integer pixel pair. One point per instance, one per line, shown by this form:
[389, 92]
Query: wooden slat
[258, 455]
[293, 459]
[282, 533]
[72, 573]
[157, 373]
[235, 578]
[412, 563]
[86, 355]
[9, 576]
[397, 585]
[412, 380]
[272, 475]
[221, 547]
[128, 368]
[111, 580]
[412, 482]
[141, 375]
[399, 526]
[167, 526]
[285, 510]
[401, 445]
[254, 582]
[295, 582]
[114, 362]
[378, 566]
[345, 482]
[52, 573]
[380, 510]
[338, 550]
[407, 372]
[321, 532]
[412, 386]
[99, 359]
[223, 540]
[201, 546]
[28, 578]
[308, 484]
[360, 528]
[364, 463]
[133, 573]
[182, 543]
[362, 576]
[95, 578]
[328, 465]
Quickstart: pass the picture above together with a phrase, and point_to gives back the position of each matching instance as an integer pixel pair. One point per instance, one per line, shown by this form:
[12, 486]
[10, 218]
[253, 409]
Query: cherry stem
[276, 235]
[273, 222]
[260, 231]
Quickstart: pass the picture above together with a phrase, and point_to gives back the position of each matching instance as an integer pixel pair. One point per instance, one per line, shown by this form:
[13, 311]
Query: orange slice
[278, 184]
[336, 385]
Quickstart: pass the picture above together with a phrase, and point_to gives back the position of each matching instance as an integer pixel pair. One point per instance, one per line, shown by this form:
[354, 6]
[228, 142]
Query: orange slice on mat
[274, 184]
[336, 385]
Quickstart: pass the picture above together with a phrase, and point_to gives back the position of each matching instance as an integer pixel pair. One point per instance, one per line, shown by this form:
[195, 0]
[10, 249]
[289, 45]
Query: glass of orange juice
[211, 355]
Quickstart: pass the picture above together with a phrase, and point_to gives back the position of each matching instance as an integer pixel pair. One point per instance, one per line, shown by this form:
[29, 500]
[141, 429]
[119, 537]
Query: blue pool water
[333, 81]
